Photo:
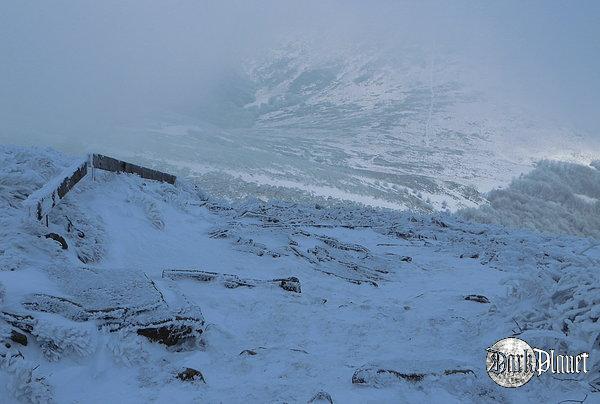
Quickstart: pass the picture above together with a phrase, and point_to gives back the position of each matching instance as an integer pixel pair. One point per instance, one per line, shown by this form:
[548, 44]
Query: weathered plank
[41, 201]
[111, 164]
[291, 284]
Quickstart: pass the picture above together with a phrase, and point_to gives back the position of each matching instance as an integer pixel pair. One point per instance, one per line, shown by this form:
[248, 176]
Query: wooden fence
[43, 200]
[111, 164]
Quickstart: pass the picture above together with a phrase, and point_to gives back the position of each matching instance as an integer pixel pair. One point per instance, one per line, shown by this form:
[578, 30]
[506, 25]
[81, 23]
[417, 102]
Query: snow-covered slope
[379, 290]
[388, 127]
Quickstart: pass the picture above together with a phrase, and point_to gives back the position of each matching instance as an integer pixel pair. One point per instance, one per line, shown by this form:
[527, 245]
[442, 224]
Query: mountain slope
[379, 289]
[401, 128]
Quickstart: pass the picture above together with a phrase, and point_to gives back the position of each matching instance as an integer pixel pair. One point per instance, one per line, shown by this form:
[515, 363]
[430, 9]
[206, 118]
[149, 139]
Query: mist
[69, 65]
[86, 76]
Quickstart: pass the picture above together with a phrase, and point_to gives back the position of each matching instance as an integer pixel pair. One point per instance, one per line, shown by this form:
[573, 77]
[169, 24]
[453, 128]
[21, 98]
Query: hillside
[399, 127]
[307, 301]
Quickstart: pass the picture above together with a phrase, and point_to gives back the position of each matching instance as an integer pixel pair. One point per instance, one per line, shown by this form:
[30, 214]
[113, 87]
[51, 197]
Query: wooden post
[91, 164]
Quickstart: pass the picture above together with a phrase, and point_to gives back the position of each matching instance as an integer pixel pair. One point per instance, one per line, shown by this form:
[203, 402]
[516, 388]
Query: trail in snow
[431, 96]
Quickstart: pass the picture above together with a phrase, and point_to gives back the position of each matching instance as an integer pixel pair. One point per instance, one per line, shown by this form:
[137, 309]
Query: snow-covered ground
[380, 290]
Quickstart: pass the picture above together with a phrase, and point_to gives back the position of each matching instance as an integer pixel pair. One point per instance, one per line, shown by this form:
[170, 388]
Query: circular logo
[510, 362]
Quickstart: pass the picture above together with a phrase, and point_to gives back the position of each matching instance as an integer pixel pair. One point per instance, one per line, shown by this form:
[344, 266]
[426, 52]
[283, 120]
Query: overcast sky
[71, 64]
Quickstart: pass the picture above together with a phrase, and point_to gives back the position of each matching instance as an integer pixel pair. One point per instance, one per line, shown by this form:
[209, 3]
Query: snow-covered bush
[24, 170]
[85, 232]
[60, 337]
[127, 348]
[26, 383]
[556, 197]
[150, 209]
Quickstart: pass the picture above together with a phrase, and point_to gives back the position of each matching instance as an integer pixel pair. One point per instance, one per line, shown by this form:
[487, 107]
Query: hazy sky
[67, 65]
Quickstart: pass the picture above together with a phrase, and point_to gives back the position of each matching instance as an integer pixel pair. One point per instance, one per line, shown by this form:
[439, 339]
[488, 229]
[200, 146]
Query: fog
[70, 67]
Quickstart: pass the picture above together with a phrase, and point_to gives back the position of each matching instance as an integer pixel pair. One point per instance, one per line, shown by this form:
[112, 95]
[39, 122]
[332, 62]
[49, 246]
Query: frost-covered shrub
[86, 232]
[154, 215]
[26, 383]
[149, 207]
[561, 310]
[556, 197]
[60, 338]
[127, 348]
[24, 170]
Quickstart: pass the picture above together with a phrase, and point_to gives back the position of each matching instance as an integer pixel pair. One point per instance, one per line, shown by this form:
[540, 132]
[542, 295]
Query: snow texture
[381, 316]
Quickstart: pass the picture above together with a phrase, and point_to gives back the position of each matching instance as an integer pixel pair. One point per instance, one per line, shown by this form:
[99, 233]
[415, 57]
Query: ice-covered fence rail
[111, 164]
[41, 201]
[291, 284]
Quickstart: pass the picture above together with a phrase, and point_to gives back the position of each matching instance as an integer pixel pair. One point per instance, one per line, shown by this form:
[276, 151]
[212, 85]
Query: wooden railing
[43, 200]
[111, 164]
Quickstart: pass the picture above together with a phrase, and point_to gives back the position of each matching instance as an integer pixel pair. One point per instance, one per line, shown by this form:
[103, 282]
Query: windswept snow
[380, 290]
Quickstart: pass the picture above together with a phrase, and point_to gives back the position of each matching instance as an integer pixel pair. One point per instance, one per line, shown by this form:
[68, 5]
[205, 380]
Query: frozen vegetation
[140, 291]
[556, 197]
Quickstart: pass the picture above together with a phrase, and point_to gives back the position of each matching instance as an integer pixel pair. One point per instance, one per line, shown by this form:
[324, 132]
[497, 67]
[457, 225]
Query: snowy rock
[477, 298]
[169, 335]
[248, 352]
[190, 375]
[119, 299]
[18, 337]
[291, 284]
[411, 372]
[59, 239]
[321, 397]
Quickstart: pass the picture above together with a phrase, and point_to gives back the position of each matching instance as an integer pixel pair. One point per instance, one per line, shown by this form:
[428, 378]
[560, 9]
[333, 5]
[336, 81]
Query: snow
[556, 197]
[354, 123]
[364, 305]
